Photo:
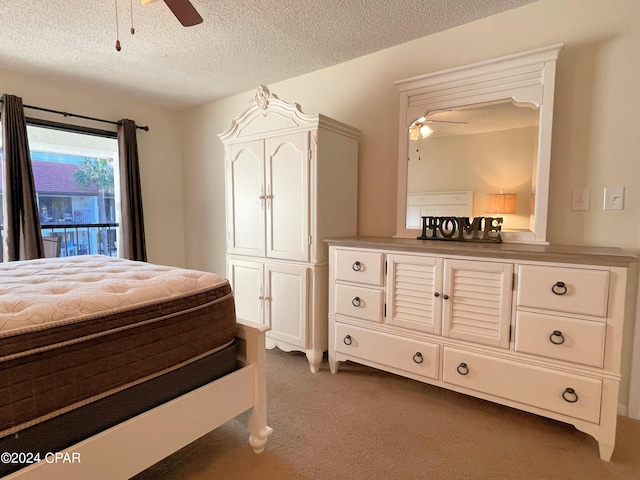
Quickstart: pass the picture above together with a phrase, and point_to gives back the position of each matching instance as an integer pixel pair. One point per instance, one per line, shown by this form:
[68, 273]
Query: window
[75, 175]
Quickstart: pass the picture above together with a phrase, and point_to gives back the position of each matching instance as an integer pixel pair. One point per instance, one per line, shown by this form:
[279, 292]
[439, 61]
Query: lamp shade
[501, 203]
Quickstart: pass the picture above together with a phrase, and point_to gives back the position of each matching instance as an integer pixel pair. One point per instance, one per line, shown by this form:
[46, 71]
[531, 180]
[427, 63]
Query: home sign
[462, 229]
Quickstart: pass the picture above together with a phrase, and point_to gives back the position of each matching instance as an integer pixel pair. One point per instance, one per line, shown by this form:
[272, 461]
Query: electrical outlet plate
[613, 198]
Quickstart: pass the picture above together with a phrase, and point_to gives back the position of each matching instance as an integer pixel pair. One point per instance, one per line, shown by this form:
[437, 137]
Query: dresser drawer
[578, 341]
[400, 353]
[359, 302]
[572, 290]
[564, 393]
[359, 267]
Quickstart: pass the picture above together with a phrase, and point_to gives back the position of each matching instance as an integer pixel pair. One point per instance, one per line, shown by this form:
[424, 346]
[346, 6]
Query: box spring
[65, 430]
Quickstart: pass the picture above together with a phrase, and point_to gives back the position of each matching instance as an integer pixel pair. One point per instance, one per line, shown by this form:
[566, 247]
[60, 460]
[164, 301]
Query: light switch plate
[580, 199]
[614, 198]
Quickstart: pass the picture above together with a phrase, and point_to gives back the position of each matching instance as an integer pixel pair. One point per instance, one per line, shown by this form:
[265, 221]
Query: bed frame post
[253, 335]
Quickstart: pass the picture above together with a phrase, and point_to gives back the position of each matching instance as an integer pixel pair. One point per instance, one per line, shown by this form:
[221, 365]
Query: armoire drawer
[568, 339]
[560, 392]
[359, 302]
[579, 291]
[359, 267]
[412, 356]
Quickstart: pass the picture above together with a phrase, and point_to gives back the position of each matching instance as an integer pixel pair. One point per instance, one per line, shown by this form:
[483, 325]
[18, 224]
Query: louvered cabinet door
[414, 297]
[477, 301]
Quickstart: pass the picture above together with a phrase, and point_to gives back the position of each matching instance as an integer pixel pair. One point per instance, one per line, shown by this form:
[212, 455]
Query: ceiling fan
[184, 11]
[419, 128]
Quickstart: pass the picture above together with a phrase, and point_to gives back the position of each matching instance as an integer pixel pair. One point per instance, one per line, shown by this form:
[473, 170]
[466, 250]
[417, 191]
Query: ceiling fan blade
[184, 11]
[444, 121]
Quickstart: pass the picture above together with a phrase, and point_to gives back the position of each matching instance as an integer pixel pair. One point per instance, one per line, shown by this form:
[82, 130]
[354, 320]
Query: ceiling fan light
[425, 131]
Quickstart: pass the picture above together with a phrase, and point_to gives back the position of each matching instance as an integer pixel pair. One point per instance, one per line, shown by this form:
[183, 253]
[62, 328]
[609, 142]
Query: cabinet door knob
[463, 369]
[556, 337]
[446, 297]
[417, 357]
[559, 288]
[356, 302]
[357, 266]
[570, 395]
[347, 340]
[436, 294]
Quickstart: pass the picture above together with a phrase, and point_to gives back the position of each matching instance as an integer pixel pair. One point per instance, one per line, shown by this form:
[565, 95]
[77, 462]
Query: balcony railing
[83, 238]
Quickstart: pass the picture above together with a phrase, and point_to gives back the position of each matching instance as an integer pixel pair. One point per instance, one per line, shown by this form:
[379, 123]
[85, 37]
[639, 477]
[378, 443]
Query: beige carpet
[366, 424]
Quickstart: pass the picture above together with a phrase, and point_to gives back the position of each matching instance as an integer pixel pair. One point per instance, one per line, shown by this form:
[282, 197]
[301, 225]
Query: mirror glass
[474, 160]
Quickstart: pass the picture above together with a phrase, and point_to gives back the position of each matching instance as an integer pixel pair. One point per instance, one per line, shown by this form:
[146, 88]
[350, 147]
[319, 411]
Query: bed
[437, 204]
[109, 365]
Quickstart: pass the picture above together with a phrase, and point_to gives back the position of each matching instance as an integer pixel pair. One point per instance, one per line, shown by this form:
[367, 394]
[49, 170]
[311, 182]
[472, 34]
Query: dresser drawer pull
[356, 302]
[357, 266]
[556, 337]
[463, 369]
[559, 288]
[570, 395]
[347, 340]
[417, 357]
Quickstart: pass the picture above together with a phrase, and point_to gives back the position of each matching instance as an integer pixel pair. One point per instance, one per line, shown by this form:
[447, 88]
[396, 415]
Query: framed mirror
[475, 141]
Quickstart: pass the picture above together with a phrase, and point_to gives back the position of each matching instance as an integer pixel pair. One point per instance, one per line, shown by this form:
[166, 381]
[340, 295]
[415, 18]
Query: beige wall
[596, 122]
[159, 151]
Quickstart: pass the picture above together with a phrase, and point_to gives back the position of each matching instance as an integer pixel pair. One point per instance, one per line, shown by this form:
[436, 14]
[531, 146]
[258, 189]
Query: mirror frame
[525, 78]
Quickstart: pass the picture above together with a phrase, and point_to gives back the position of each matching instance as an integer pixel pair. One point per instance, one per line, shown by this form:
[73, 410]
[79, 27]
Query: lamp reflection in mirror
[504, 203]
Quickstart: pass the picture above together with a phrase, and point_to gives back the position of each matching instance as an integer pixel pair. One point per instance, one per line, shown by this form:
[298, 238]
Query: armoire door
[246, 279]
[286, 302]
[287, 191]
[246, 199]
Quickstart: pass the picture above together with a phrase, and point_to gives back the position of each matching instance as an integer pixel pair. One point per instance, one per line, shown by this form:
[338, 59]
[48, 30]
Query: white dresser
[290, 182]
[538, 328]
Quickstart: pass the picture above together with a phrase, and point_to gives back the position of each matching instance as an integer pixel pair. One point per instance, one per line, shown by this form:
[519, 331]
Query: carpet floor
[366, 424]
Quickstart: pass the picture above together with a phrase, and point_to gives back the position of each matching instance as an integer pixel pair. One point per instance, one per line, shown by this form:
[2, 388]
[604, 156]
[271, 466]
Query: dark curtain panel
[133, 243]
[22, 236]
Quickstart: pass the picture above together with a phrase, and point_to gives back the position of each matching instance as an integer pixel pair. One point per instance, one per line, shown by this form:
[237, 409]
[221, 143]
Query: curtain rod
[67, 114]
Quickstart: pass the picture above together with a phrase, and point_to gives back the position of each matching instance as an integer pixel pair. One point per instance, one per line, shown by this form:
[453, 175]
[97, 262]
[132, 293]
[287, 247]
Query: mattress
[77, 330]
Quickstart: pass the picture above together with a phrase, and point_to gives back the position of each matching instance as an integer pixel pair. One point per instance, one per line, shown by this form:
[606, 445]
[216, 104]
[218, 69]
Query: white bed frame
[134, 445]
[436, 204]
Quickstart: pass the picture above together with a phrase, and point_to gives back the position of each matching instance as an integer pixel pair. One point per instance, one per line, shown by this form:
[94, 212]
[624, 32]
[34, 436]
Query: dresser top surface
[605, 256]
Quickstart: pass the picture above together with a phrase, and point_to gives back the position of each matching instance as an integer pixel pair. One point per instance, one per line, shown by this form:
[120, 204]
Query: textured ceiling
[240, 44]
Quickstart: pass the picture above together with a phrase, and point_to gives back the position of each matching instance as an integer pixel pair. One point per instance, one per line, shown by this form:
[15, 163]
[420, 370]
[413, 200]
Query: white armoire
[291, 180]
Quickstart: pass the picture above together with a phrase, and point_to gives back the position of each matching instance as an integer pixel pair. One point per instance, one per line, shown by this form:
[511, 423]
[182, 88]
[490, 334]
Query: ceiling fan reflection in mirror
[419, 128]
[183, 10]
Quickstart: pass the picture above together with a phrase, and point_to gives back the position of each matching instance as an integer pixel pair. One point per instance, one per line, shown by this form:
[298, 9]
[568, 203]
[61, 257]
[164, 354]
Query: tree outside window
[98, 172]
